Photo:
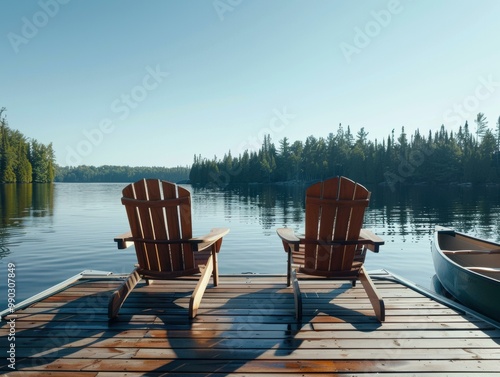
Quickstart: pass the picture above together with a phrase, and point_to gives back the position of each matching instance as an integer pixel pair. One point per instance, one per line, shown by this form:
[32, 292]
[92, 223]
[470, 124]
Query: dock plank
[246, 326]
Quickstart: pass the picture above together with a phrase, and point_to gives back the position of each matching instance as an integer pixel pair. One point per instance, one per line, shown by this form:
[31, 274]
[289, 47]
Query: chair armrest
[373, 242]
[201, 243]
[124, 240]
[288, 236]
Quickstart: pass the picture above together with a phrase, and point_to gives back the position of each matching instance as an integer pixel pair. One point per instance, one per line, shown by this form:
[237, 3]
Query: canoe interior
[457, 241]
[473, 254]
[475, 259]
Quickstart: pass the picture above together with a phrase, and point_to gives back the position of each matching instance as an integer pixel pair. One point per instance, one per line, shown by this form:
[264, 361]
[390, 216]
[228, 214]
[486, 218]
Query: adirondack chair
[159, 215]
[334, 245]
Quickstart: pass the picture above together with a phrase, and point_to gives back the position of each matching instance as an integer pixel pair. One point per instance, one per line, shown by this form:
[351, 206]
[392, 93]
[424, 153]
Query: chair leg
[297, 297]
[375, 299]
[120, 295]
[194, 302]
[289, 267]
[216, 267]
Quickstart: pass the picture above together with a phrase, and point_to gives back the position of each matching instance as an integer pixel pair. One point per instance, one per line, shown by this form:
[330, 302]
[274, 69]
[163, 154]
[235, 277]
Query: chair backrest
[334, 216]
[159, 215]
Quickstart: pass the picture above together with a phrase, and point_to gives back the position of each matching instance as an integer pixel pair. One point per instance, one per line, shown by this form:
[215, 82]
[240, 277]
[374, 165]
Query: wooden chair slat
[186, 226]
[133, 191]
[142, 226]
[313, 215]
[173, 227]
[354, 220]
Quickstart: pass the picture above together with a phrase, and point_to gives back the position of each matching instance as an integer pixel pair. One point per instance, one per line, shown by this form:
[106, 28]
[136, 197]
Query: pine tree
[481, 126]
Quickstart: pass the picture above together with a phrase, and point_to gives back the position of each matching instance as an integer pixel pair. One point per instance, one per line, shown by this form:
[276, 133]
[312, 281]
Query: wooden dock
[246, 327]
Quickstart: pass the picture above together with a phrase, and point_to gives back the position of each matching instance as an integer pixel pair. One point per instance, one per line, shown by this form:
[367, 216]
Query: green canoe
[469, 269]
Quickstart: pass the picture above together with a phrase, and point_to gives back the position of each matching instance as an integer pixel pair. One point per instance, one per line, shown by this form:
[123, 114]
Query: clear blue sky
[152, 83]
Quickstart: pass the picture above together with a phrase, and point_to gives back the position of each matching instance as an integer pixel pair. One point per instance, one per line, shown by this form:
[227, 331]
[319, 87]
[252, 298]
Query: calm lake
[52, 232]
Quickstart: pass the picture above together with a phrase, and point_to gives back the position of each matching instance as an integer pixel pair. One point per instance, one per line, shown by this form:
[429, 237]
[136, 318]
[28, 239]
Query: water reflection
[406, 212]
[268, 205]
[19, 204]
[404, 218]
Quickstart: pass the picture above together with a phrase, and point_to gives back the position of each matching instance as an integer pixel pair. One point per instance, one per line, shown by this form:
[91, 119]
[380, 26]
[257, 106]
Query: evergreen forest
[438, 157]
[23, 160]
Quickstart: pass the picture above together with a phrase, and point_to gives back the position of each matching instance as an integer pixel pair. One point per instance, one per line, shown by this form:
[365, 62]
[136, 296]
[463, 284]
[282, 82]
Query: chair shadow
[153, 328]
[251, 326]
[222, 339]
[324, 307]
[47, 333]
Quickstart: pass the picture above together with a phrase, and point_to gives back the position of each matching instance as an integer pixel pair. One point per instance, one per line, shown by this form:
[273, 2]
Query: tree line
[24, 160]
[111, 173]
[441, 156]
[21, 159]
[438, 157]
